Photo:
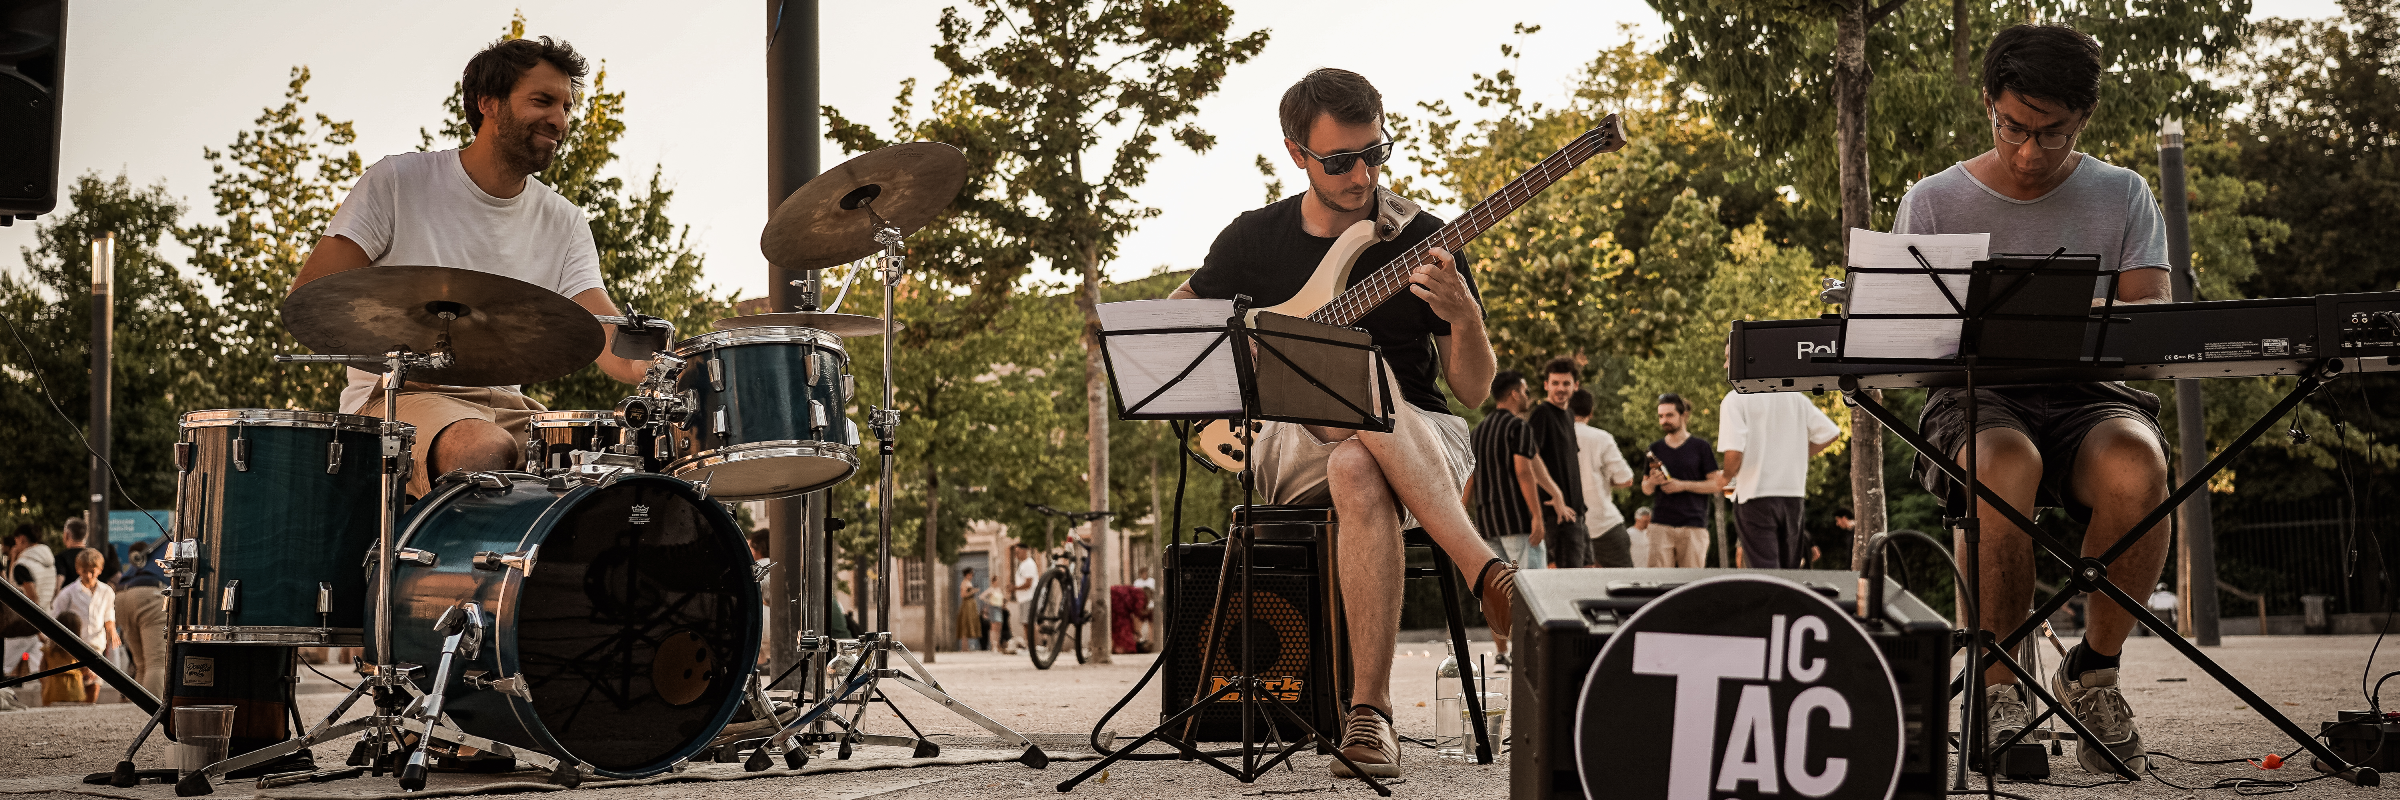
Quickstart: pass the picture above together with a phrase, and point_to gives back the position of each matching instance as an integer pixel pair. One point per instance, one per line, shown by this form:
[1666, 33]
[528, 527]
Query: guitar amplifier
[1564, 617]
[1288, 640]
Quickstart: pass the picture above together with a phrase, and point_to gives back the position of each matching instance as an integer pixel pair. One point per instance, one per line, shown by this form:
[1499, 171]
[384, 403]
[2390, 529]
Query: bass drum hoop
[270, 635]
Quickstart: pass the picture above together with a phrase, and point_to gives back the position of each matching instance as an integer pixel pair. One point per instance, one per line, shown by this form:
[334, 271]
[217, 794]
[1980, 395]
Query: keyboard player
[2091, 448]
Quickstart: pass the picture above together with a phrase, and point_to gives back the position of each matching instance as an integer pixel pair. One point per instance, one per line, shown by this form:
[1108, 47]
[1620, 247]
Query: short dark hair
[28, 531]
[1681, 405]
[1580, 403]
[1508, 380]
[1561, 364]
[1344, 94]
[494, 72]
[758, 542]
[74, 529]
[1843, 512]
[2052, 63]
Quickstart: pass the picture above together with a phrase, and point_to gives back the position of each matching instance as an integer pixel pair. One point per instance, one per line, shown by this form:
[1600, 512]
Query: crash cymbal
[506, 332]
[842, 325]
[825, 222]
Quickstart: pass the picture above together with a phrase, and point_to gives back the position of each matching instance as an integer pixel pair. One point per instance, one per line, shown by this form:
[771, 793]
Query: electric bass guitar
[1318, 299]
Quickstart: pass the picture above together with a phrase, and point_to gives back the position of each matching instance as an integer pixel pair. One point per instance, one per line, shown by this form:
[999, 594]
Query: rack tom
[767, 419]
[275, 512]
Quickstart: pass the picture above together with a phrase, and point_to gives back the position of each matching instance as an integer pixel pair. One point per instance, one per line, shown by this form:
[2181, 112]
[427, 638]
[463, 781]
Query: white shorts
[1291, 460]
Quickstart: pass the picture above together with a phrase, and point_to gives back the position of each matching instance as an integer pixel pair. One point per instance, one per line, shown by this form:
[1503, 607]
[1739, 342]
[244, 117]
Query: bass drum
[618, 633]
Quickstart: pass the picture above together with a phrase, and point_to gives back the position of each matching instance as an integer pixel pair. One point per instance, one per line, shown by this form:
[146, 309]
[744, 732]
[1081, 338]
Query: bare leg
[1368, 549]
[475, 446]
[2121, 473]
[2009, 465]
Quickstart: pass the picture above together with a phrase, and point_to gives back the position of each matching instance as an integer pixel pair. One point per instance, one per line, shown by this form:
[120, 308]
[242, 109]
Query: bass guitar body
[1230, 449]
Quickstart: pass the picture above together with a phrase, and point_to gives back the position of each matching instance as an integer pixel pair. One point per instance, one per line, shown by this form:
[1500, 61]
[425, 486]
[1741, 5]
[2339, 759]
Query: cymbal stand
[876, 648]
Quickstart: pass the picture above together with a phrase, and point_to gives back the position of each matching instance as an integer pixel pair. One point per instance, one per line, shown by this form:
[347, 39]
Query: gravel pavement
[2308, 677]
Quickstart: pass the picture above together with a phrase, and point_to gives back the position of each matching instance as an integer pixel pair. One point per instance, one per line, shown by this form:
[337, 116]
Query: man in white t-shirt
[1604, 472]
[477, 208]
[1767, 440]
[1029, 569]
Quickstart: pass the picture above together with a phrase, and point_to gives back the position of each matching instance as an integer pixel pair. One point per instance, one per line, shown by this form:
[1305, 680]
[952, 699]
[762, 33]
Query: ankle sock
[2082, 659]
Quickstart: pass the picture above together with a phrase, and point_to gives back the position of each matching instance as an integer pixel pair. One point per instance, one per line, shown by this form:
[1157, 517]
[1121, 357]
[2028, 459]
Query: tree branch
[1884, 10]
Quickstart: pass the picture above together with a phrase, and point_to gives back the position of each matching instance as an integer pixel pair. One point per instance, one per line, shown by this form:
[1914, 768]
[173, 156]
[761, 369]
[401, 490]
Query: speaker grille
[1287, 636]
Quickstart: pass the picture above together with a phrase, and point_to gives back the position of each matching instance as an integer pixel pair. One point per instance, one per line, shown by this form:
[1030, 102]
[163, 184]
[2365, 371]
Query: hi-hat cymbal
[825, 222]
[842, 325]
[507, 331]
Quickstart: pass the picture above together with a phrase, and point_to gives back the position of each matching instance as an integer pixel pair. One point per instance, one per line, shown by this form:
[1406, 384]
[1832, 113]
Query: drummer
[477, 208]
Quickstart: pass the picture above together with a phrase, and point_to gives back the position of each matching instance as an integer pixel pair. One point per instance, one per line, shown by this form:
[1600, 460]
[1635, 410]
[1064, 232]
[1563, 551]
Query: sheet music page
[1889, 293]
[1143, 363]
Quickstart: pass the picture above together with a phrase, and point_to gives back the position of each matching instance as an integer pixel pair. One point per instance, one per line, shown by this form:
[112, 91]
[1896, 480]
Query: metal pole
[104, 320]
[2199, 540]
[795, 539]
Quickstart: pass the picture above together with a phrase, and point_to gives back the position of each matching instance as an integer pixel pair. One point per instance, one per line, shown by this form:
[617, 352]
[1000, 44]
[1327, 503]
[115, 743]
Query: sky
[149, 84]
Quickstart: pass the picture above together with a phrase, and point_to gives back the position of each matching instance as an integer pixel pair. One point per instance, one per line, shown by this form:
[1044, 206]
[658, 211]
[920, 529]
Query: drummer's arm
[333, 254]
[623, 369]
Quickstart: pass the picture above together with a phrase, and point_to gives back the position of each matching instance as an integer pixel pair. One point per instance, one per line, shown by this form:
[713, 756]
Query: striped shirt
[1499, 503]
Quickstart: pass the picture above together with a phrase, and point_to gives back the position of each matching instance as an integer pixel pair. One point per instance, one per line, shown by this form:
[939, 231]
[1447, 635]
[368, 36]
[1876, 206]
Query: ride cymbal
[506, 331]
[825, 223]
[842, 325]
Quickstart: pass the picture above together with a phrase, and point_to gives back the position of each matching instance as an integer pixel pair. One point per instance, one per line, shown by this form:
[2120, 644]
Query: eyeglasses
[2016, 135]
[1340, 163]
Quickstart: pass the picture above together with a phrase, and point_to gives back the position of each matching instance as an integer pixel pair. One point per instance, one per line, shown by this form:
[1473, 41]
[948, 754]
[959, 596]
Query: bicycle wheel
[1049, 610]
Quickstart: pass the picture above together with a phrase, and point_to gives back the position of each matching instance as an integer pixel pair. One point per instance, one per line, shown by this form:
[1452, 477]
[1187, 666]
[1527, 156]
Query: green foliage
[276, 189]
[2320, 138]
[161, 362]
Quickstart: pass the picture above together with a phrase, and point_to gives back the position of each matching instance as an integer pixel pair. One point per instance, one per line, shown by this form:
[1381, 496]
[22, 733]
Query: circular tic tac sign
[1740, 686]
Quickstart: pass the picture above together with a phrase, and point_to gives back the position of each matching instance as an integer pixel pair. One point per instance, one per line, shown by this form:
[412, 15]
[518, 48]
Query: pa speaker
[1808, 679]
[33, 65]
[1287, 639]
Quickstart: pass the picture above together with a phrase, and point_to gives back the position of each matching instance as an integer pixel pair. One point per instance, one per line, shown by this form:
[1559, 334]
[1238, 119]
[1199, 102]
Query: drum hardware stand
[874, 663]
[462, 635]
[1246, 686]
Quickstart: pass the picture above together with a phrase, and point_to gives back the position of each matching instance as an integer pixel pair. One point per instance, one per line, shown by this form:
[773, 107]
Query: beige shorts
[1291, 460]
[433, 409]
[1671, 546]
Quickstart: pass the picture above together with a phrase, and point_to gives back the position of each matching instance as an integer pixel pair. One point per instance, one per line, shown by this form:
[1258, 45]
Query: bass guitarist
[1379, 483]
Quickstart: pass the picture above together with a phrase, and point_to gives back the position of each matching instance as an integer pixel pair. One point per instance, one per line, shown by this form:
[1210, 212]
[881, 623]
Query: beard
[1332, 200]
[517, 146]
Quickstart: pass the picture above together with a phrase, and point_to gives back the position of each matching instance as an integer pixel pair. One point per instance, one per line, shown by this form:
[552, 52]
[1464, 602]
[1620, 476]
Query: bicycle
[1062, 597]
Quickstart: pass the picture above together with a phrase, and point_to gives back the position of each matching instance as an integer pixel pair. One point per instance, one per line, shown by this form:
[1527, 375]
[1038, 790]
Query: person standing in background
[1767, 440]
[1604, 472]
[1020, 592]
[970, 618]
[71, 535]
[142, 617]
[1682, 473]
[1639, 534]
[94, 605]
[34, 570]
[1562, 463]
[1504, 490]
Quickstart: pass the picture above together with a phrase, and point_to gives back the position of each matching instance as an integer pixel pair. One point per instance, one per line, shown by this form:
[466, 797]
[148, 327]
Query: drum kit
[596, 613]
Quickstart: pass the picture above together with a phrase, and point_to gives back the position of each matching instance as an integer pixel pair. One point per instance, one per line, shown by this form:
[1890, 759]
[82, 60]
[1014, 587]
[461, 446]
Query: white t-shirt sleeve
[1613, 461]
[1821, 429]
[1731, 427]
[581, 270]
[365, 217]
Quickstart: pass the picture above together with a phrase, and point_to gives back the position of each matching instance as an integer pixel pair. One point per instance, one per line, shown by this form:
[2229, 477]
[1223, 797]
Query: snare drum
[554, 437]
[280, 509]
[767, 418]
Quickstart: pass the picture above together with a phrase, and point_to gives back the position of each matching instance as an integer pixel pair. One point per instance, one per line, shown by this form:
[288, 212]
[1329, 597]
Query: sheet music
[1892, 293]
[1145, 363]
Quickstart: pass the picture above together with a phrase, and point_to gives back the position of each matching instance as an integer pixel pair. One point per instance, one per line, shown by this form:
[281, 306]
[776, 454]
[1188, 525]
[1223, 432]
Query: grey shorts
[2055, 417]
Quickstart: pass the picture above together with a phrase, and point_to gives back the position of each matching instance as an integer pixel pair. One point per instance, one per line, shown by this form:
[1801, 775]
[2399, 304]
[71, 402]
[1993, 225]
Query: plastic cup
[203, 736]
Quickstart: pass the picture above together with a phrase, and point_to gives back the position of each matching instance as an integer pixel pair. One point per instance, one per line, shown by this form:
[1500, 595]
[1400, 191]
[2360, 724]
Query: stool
[1319, 525]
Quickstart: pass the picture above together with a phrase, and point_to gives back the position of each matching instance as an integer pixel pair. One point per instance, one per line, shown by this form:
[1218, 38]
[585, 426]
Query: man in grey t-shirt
[2093, 448]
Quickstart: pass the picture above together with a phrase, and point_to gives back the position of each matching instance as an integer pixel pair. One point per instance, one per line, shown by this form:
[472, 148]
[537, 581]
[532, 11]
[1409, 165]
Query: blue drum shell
[754, 433]
[635, 630]
[262, 494]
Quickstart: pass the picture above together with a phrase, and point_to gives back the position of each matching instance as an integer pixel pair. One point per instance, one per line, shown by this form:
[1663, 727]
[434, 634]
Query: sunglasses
[1340, 163]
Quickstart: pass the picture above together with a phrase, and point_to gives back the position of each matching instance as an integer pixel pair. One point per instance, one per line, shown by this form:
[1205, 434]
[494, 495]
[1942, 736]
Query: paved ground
[2307, 677]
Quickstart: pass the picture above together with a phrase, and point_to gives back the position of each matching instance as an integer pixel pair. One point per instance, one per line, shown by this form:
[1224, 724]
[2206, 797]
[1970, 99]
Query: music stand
[1316, 374]
[2017, 311]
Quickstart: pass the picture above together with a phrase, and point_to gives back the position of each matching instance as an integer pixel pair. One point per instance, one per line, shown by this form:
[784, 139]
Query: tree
[1762, 65]
[165, 358]
[647, 262]
[276, 189]
[1066, 78]
[2321, 137]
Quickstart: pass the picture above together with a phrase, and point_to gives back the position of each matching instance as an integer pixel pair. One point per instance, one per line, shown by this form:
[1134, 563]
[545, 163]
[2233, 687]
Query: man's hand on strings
[1437, 282]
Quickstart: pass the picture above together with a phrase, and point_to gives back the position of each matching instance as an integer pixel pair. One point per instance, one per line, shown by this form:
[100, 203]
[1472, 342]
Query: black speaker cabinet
[1288, 639]
[1564, 617]
[33, 63]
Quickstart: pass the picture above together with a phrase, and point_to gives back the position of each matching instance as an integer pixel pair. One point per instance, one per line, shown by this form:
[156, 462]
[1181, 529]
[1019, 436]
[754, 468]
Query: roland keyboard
[2216, 339]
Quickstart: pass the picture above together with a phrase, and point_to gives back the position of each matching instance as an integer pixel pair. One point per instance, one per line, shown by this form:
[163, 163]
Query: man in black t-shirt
[1562, 487]
[1378, 483]
[1683, 473]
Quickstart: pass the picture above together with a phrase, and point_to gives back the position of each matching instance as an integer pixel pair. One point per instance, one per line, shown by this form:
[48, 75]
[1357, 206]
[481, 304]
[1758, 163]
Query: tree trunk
[1958, 42]
[937, 589]
[1851, 77]
[1095, 391]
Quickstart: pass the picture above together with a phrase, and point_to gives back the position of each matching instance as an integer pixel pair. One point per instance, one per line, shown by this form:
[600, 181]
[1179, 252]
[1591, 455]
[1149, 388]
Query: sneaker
[2004, 707]
[1368, 742]
[2095, 700]
[1500, 663]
